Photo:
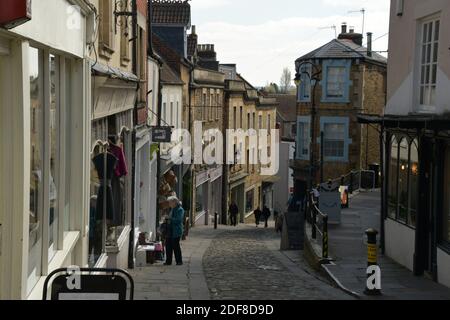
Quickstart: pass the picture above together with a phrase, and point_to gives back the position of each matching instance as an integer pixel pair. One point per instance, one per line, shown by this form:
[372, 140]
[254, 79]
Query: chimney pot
[193, 30]
[344, 27]
[352, 30]
[369, 44]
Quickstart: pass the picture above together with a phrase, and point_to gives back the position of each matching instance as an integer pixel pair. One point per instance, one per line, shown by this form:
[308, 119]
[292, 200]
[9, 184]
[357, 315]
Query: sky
[264, 36]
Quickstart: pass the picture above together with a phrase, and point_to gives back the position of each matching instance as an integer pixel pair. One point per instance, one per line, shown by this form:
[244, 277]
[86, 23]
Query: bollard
[216, 216]
[372, 262]
[325, 238]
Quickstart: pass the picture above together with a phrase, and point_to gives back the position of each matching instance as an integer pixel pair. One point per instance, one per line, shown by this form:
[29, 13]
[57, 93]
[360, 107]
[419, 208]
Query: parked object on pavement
[266, 214]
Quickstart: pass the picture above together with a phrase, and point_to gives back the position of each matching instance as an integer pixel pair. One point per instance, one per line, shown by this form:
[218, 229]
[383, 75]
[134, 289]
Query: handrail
[315, 212]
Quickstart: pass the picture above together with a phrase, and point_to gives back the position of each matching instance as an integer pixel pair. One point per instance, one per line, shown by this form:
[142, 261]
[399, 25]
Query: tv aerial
[363, 12]
[331, 27]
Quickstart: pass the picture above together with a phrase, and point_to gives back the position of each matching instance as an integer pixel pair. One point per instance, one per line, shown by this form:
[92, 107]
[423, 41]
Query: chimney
[344, 27]
[352, 30]
[369, 44]
[193, 30]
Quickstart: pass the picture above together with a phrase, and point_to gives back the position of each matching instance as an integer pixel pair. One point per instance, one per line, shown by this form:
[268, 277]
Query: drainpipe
[133, 148]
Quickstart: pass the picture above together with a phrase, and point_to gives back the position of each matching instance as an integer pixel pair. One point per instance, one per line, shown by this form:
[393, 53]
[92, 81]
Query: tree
[286, 79]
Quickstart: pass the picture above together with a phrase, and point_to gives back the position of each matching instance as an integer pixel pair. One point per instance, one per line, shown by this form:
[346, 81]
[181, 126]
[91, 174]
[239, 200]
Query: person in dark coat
[258, 213]
[234, 211]
[176, 227]
[266, 214]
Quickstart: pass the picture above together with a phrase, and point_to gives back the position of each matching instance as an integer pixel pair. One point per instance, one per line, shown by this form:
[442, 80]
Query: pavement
[348, 248]
[234, 263]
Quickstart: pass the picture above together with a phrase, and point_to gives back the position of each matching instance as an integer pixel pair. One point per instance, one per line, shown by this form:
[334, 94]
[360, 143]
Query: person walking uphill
[266, 214]
[176, 219]
[258, 213]
[234, 211]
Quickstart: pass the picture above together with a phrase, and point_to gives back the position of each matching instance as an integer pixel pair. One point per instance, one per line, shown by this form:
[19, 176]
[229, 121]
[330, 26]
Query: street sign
[161, 134]
[89, 284]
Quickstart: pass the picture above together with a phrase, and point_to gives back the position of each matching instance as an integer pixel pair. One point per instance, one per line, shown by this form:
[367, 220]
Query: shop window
[403, 172]
[413, 183]
[393, 179]
[49, 157]
[250, 201]
[446, 198]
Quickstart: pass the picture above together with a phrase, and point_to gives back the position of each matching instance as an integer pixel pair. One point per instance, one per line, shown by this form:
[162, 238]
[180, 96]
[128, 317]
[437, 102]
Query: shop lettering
[193, 311]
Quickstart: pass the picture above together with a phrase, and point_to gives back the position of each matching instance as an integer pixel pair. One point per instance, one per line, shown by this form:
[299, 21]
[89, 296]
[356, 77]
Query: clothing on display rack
[105, 176]
[121, 169]
[118, 186]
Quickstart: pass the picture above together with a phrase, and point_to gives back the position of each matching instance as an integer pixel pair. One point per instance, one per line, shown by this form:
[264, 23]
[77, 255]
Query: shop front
[416, 192]
[44, 123]
[201, 198]
[111, 163]
[215, 193]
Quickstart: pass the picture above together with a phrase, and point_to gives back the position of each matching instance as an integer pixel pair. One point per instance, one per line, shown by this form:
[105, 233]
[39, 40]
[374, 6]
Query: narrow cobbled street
[246, 264]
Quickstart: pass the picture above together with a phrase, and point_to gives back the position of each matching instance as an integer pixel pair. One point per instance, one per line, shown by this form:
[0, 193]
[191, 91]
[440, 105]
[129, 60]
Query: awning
[101, 69]
[412, 121]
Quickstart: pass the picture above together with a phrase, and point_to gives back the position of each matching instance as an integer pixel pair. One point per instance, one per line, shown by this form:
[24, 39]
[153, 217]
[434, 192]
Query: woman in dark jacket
[258, 213]
[176, 230]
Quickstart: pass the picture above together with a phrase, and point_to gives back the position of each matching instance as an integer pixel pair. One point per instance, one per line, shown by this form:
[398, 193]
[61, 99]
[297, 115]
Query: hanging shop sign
[162, 134]
[14, 13]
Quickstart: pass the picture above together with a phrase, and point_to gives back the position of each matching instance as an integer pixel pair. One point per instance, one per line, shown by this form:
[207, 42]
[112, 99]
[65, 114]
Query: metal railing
[319, 224]
[355, 180]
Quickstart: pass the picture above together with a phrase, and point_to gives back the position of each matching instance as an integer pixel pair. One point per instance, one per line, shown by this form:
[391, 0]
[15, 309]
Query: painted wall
[171, 116]
[404, 57]
[153, 86]
[400, 243]
[68, 36]
[443, 262]
[282, 187]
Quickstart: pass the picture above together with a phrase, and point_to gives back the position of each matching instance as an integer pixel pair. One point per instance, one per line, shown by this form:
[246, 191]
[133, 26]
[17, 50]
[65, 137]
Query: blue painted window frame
[326, 65]
[347, 141]
[305, 82]
[300, 122]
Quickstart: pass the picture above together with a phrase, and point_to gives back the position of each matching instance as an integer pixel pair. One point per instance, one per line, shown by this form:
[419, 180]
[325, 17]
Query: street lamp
[314, 78]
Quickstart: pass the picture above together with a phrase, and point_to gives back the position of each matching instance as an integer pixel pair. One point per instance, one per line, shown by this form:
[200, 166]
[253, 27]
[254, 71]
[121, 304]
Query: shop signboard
[88, 284]
[162, 134]
[14, 13]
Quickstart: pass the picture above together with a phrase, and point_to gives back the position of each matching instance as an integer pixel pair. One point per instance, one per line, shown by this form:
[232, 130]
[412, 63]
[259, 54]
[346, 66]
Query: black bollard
[216, 217]
[372, 262]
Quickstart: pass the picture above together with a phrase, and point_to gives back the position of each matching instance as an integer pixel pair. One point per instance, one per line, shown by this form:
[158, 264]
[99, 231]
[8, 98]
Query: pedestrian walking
[175, 232]
[266, 215]
[258, 213]
[275, 215]
[234, 211]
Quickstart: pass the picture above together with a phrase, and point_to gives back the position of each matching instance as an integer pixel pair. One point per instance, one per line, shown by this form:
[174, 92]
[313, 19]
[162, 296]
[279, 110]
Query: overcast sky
[264, 36]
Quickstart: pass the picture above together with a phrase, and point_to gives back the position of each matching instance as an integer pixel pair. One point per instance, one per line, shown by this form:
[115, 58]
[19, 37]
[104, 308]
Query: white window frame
[49, 253]
[425, 80]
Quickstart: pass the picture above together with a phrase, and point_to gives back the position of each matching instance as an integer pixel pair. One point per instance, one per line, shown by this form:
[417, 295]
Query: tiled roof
[168, 76]
[342, 49]
[176, 12]
[169, 55]
[287, 106]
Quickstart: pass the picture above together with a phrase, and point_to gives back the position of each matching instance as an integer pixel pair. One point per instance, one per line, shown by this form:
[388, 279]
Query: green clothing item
[177, 221]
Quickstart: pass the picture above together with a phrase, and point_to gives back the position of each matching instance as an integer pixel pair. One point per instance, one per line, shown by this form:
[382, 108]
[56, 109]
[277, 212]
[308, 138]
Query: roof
[410, 121]
[170, 56]
[343, 49]
[287, 107]
[175, 12]
[168, 76]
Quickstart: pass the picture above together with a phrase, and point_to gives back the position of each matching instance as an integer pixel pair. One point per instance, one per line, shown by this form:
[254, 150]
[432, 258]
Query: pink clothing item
[121, 169]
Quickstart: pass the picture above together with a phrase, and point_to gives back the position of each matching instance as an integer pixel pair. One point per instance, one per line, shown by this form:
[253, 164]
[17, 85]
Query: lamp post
[314, 78]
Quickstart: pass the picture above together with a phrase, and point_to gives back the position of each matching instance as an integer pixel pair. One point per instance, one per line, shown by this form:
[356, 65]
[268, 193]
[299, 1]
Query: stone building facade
[351, 80]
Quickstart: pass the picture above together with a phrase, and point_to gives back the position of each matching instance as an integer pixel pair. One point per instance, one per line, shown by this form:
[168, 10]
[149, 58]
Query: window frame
[306, 85]
[341, 63]
[301, 122]
[63, 100]
[347, 140]
[423, 83]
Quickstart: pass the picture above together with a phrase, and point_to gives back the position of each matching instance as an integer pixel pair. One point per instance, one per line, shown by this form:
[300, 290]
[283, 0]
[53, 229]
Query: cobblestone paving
[244, 264]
